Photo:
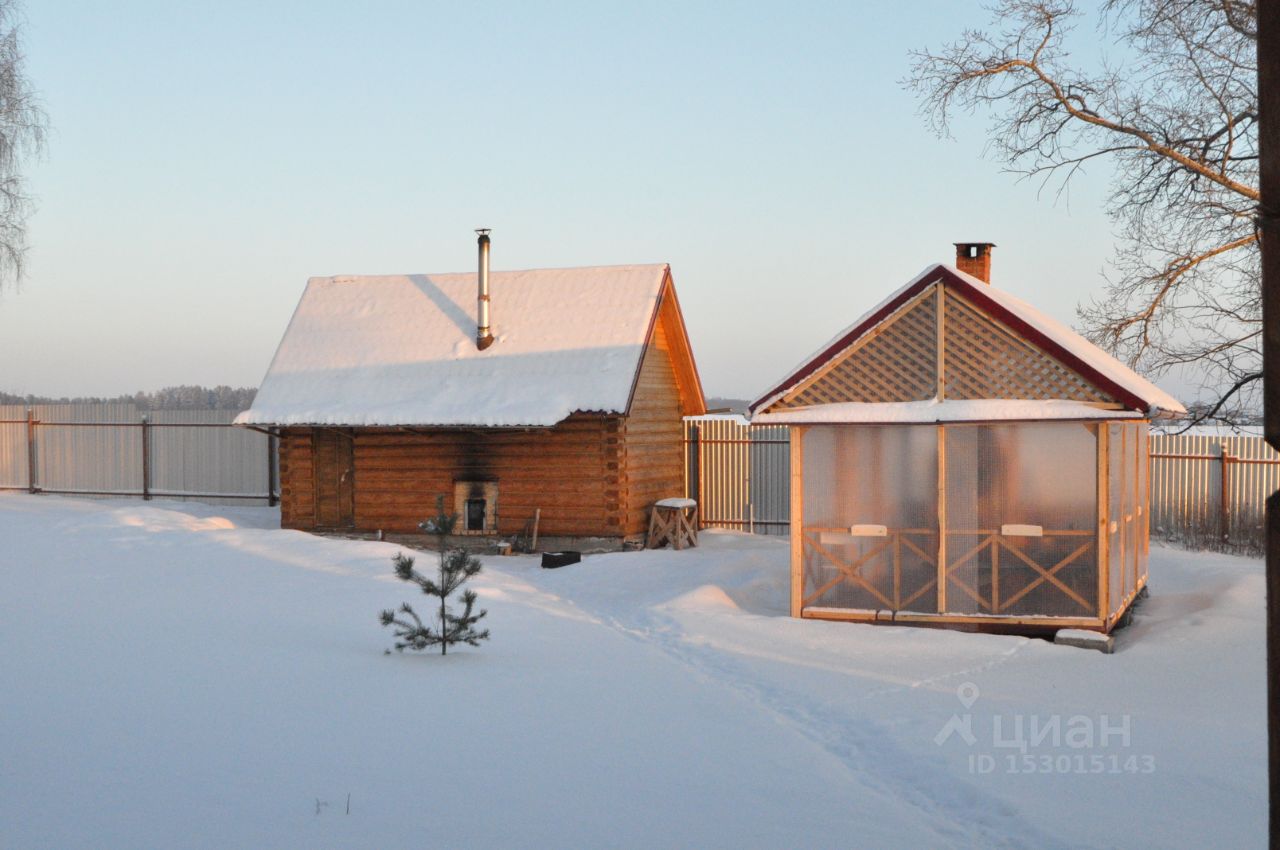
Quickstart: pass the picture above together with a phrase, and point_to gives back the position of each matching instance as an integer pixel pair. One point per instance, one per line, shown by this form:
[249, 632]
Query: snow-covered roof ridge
[1053, 336]
[400, 349]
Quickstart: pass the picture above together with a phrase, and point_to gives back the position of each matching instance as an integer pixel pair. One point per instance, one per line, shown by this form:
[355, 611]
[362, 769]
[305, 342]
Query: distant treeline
[169, 398]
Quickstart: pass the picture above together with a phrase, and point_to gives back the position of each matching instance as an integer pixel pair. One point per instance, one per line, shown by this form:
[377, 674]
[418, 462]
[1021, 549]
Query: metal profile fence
[103, 450]
[1206, 491]
[740, 475]
[1211, 491]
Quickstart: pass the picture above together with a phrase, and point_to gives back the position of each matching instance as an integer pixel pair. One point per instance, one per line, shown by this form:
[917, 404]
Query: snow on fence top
[401, 350]
[1054, 337]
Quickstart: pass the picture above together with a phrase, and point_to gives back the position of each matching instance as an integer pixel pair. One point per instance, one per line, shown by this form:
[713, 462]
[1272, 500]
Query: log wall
[564, 471]
[297, 479]
[570, 472]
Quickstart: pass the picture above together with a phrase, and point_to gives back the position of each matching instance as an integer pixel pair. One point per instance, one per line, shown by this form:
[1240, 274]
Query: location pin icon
[968, 694]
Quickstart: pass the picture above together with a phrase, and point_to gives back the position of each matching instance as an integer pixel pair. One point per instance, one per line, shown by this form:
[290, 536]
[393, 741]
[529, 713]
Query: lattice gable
[895, 361]
[984, 359]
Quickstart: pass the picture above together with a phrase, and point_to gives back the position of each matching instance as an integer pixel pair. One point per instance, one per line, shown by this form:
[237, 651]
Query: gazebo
[959, 458]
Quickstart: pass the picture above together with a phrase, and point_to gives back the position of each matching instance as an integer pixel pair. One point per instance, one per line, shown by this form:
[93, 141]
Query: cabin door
[334, 459]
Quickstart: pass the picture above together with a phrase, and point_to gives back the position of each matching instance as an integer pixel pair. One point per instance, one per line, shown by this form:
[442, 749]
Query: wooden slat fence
[1207, 491]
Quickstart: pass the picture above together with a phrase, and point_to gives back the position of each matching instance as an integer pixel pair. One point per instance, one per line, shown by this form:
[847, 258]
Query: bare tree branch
[1175, 109]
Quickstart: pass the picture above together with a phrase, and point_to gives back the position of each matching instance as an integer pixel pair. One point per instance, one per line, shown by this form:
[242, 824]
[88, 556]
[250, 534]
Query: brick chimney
[974, 258]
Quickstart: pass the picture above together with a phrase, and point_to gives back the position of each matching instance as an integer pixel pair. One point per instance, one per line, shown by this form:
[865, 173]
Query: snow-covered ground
[179, 675]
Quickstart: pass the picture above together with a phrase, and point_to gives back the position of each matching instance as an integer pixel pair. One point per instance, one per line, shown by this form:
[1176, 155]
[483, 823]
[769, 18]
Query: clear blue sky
[205, 161]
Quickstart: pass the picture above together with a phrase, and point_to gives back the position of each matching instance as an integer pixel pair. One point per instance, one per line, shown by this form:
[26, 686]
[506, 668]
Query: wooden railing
[892, 544]
[922, 543]
[994, 540]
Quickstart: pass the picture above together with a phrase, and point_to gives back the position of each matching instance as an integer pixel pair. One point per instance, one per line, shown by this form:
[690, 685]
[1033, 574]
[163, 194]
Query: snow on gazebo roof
[1048, 334]
[401, 349]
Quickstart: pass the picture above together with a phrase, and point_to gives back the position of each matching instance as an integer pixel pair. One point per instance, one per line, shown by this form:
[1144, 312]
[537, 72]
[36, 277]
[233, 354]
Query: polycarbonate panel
[883, 481]
[1116, 439]
[1021, 519]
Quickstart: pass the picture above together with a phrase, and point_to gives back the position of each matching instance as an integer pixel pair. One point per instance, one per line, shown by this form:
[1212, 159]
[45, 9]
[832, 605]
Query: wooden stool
[673, 521]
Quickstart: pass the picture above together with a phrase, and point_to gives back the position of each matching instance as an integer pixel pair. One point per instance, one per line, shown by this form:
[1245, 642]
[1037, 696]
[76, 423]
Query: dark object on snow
[552, 560]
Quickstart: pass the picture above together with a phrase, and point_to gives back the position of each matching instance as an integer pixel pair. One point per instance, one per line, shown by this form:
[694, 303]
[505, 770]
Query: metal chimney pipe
[484, 338]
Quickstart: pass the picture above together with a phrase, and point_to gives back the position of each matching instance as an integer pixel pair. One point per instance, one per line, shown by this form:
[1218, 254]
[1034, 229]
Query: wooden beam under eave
[993, 623]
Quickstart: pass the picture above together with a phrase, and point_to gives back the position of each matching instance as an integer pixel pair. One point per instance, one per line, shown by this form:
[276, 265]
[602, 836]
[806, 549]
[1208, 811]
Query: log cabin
[561, 392]
[959, 458]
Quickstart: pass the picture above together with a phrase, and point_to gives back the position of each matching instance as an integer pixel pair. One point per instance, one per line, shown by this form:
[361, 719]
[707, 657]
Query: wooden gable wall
[981, 359]
[652, 459]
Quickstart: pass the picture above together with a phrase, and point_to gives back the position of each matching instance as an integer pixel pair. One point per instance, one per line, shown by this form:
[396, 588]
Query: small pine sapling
[456, 566]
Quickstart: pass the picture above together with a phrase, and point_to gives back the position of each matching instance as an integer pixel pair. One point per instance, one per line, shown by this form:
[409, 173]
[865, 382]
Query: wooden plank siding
[653, 435]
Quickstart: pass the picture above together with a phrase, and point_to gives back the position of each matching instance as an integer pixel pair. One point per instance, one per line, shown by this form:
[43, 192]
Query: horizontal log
[528, 502]
[587, 446]
[546, 464]
[407, 475]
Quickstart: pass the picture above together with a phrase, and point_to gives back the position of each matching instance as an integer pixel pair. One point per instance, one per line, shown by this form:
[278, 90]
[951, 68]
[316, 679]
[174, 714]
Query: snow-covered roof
[400, 349]
[911, 412]
[1052, 336]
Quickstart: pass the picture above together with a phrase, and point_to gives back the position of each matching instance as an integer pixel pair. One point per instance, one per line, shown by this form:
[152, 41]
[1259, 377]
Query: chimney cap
[974, 244]
[483, 231]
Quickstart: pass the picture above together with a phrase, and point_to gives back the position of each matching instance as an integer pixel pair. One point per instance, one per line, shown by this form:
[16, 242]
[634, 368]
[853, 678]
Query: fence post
[146, 458]
[31, 451]
[272, 444]
[1224, 496]
[751, 508]
[702, 480]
